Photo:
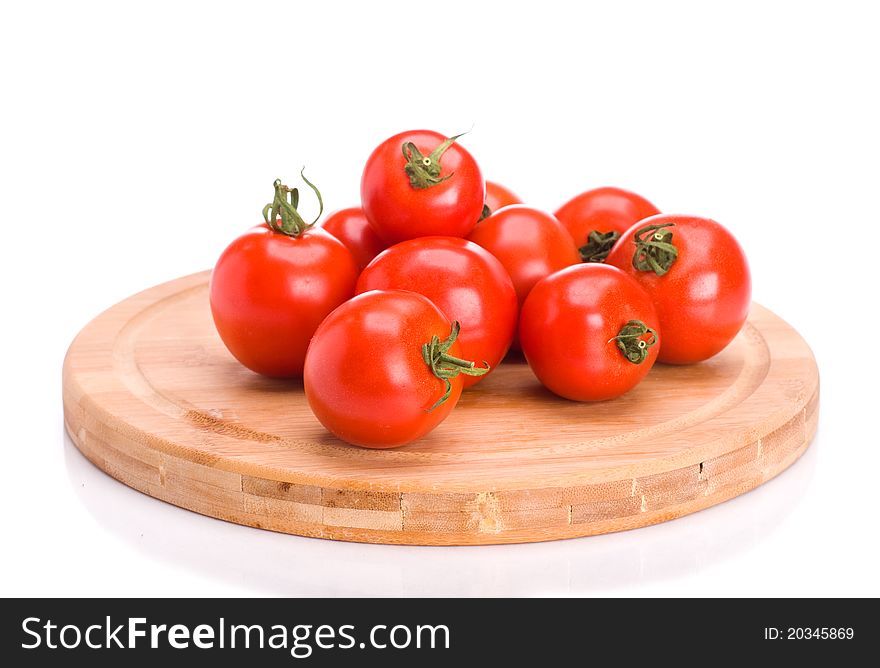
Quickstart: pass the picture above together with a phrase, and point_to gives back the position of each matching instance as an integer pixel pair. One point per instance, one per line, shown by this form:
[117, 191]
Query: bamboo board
[153, 398]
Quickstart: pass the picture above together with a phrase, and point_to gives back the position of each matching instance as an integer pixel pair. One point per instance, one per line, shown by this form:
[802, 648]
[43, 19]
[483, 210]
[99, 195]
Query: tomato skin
[353, 229]
[704, 298]
[529, 243]
[464, 281]
[567, 328]
[365, 378]
[498, 196]
[605, 210]
[269, 292]
[398, 211]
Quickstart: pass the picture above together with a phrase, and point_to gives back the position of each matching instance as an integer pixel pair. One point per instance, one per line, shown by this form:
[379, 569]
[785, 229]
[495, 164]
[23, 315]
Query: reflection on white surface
[291, 565]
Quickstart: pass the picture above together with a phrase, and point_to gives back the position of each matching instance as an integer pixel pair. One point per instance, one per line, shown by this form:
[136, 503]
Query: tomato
[604, 213]
[589, 332]
[498, 196]
[384, 369]
[273, 286]
[463, 280]
[351, 227]
[698, 277]
[420, 183]
[529, 243]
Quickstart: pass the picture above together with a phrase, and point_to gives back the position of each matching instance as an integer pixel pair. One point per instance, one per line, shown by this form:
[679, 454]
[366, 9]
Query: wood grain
[153, 398]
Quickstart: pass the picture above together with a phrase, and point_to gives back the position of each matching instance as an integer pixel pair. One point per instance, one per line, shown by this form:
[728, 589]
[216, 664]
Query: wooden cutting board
[153, 398]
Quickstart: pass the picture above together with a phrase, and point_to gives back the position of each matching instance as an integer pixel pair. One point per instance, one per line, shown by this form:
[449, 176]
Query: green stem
[630, 342]
[654, 249]
[445, 366]
[598, 245]
[424, 170]
[281, 213]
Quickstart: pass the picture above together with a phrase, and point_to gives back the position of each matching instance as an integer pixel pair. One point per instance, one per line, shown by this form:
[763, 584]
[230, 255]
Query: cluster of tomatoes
[389, 310]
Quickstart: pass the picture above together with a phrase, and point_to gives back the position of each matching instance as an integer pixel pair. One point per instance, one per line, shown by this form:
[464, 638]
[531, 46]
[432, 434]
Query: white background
[139, 138]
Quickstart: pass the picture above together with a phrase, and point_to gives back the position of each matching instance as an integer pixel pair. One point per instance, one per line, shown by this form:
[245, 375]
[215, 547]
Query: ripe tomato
[498, 196]
[596, 218]
[529, 243]
[589, 332]
[384, 369]
[463, 280]
[273, 286]
[420, 183]
[698, 277]
[351, 227]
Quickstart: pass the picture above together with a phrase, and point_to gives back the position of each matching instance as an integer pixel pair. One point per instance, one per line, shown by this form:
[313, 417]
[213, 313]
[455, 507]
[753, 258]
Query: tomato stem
[598, 245]
[630, 342]
[485, 213]
[654, 249]
[424, 170]
[446, 366]
[281, 214]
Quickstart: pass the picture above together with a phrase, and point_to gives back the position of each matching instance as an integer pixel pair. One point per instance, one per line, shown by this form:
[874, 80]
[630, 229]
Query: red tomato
[383, 369]
[498, 196]
[269, 292]
[463, 280]
[589, 332]
[698, 277]
[601, 212]
[529, 243]
[420, 183]
[351, 227]
[273, 286]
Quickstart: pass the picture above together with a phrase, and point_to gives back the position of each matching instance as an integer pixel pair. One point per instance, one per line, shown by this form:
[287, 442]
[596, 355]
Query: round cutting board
[153, 398]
